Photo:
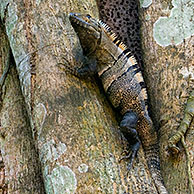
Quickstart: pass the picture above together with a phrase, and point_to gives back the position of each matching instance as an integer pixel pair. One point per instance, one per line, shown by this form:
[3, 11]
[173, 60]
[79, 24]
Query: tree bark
[74, 128]
[167, 39]
[20, 166]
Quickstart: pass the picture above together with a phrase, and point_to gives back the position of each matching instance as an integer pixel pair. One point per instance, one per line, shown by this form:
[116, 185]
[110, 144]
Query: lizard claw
[174, 150]
[131, 155]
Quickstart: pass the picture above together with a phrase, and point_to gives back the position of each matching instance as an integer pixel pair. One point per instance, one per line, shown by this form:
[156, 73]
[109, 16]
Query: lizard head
[88, 31]
[97, 39]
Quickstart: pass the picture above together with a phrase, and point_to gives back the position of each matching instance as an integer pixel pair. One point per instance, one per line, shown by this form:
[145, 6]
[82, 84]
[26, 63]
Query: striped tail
[150, 145]
[152, 157]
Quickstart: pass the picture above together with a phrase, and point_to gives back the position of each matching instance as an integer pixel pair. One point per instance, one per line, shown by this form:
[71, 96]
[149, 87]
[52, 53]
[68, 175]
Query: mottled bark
[123, 18]
[74, 127]
[167, 38]
[20, 166]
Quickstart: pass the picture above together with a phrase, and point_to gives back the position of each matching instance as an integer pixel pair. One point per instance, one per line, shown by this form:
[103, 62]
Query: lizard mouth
[88, 30]
[84, 21]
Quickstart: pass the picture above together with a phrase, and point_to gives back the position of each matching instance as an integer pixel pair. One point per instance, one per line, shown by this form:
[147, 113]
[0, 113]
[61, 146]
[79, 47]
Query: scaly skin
[185, 123]
[123, 83]
[180, 133]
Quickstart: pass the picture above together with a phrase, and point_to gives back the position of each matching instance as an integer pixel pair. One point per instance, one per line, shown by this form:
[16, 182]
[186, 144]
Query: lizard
[180, 136]
[124, 19]
[108, 58]
[184, 125]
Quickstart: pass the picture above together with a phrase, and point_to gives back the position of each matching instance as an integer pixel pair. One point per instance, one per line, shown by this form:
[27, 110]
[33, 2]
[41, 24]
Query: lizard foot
[184, 126]
[128, 127]
[131, 155]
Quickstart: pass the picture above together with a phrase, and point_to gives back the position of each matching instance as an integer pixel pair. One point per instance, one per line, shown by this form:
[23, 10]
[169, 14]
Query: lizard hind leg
[128, 127]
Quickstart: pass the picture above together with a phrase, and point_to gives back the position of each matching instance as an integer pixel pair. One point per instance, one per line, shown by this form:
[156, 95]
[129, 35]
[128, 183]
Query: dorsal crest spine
[113, 37]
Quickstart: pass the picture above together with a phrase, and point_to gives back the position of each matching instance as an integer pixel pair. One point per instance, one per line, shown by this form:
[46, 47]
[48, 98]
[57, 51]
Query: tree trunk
[20, 166]
[167, 40]
[73, 127]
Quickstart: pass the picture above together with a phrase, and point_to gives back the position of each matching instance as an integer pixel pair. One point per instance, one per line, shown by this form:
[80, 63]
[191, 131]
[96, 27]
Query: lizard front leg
[185, 123]
[88, 67]
[179, 136]
[128, 127]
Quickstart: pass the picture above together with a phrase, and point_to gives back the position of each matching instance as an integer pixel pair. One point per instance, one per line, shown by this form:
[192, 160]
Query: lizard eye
[88, 16]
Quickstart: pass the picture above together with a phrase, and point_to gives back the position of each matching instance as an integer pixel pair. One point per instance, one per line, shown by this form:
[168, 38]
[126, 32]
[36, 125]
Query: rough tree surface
[68, 121]
[167, 38]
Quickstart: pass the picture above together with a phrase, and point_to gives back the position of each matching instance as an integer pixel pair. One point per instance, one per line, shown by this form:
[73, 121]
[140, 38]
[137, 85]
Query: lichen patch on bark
[145, 3]
[178, 26]
[52, 151]
[61, 180]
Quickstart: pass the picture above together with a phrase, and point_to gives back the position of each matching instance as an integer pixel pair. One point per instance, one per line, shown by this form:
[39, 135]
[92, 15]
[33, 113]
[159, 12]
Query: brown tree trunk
[74, 129]
[167, 39]
[20, 166]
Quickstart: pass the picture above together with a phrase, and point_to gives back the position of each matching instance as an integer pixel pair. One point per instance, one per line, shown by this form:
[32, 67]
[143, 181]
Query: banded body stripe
[124, 66]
